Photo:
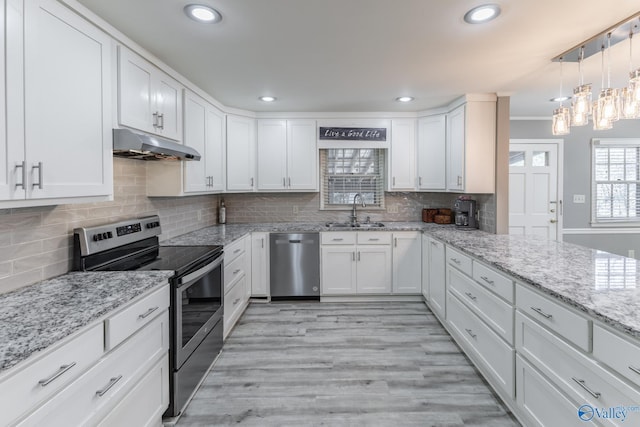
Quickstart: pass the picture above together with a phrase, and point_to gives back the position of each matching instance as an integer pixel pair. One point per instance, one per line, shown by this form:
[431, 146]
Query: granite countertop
[36, 316]
[603, 285]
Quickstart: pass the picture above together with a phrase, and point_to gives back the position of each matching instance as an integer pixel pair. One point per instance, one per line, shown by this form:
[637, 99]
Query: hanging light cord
[631, 50]
[602, 65]
[580, 66]
[608, 60]
[561, 95]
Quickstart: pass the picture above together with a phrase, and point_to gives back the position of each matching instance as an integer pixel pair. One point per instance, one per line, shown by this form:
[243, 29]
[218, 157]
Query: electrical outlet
[295, 210]
[632, 253]
[579, 198]
[393, 209]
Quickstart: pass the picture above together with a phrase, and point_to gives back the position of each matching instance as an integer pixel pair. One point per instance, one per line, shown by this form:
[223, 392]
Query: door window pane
[540, 158]
[516, 158]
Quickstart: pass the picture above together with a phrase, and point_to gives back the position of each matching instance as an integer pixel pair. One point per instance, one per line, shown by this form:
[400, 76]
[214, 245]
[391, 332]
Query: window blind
[349, 171]
[616, 181]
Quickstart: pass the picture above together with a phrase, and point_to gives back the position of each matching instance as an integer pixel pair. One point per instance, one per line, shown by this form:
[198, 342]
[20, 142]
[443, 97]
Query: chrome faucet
[354, 216]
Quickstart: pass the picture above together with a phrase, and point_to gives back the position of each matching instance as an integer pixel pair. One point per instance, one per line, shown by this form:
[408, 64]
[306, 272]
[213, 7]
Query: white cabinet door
[8, 162]
[67, 109]
[241, 149]
[455, 149]
[168, 101]
[407, 258]
[260, 264]
[215, 148]
[425, 267]
[373, 269]
[432, 153]
[437, 284]
[403, 155]
[272, 155]
[338, 271]
[302, 155]
[195, 116]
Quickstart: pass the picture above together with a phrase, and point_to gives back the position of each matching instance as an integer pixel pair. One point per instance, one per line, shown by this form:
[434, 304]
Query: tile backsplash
[36, 243]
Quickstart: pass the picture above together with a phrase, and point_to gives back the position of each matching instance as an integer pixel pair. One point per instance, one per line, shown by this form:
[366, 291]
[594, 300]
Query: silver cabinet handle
[542, 313]
[358, 255]
[60, 371]
[289, 181]
[337, 240]
[236, 251]
[471, 296]
[470, 332]
[251, 182]
[236, 271]
[434, 243]
[155, 120]
[459, 180]
[39, 183]
[236, 301]
[394, 181]
[262, 243]
[395, 242]
[374, 240]
[353, 256]
[457, 261]
[582, 384]
[106, 388]
[284, 182]
[161, 120]
[147, 313]
[420, 181]
[22, 166]
[634, 369]
[486, 279]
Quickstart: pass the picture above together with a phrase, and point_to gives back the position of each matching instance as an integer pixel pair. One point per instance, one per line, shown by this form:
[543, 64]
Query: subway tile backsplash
[36, 243]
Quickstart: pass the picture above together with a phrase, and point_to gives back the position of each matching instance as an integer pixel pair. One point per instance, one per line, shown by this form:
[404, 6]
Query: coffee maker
[466, 213]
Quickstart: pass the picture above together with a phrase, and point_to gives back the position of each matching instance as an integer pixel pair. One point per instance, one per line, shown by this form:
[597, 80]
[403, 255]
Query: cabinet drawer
[338, 238]
[459, 260]
[50, 373]
[373, 238]
[494, 356]
[494, 281]
[234, 270]
[621, 354]
[233, 303]
[540, 401]
[95, 393]
[578, 376]
[495, 312]
[126, 322]
[559, 319]
[234, 250]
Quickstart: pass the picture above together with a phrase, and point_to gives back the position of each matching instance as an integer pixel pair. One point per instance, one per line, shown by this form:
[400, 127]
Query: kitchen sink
[357, 225]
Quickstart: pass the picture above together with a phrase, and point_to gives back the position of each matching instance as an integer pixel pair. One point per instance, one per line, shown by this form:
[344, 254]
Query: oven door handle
[187, 279]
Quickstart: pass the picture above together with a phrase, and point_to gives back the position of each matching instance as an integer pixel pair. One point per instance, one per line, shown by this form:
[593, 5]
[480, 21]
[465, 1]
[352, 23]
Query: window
[614, 272]
[616, 180]
[349, 171]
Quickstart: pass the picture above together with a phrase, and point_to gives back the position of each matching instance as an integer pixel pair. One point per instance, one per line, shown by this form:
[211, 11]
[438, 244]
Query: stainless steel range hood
[127, 143]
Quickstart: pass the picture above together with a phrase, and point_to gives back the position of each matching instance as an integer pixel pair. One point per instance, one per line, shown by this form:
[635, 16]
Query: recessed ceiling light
[267, 98]
[404, 98]
[481, 14]
[560, 99]
[202, 13]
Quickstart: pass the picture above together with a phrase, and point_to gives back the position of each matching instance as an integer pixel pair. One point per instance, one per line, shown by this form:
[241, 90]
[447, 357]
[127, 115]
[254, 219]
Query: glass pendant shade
[599, 121]
[634, 85]
[560, 124]
[581, 105]
[630, 108]
[609, 104]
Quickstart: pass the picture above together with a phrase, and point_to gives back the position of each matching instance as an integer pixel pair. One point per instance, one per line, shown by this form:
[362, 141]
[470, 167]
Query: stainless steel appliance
[134, 145]
[466, 213]
[196, 308]
[295, 265]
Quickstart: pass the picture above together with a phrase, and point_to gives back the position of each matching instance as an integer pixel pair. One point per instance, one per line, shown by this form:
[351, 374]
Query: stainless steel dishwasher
[295, 265]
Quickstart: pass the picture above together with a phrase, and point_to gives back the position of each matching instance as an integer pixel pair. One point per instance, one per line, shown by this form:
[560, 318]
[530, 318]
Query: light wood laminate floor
[352, 364]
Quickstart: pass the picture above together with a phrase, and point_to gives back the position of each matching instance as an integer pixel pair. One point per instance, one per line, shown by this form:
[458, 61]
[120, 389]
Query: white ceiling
[359, 55]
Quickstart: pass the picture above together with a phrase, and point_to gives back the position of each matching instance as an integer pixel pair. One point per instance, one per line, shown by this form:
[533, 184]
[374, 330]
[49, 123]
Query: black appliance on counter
[465, 212]
[196, 310]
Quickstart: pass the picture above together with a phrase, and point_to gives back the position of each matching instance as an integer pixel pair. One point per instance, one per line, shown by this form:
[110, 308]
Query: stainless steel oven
[196, 308]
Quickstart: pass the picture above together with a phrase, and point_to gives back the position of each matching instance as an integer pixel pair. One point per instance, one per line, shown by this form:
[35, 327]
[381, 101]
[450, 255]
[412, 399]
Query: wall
[36, 243]
[577, 180]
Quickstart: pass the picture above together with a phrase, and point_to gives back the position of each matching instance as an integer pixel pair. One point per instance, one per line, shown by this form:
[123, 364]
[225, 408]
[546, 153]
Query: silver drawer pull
[236, 271]
[147, 313]
[456, 260]
[236, 251]
[542, 313]
[486, 279]
[434, 243]
[375, 240]
[106, 388]
[236, 301]
[470, 332]
[634, 369]
[582, 384]
[470, 295]
[337, 240]
[62, 370]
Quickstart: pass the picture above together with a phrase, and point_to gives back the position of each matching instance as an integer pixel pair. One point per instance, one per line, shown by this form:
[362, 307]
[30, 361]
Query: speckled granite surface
[601, 284]
[34, 317]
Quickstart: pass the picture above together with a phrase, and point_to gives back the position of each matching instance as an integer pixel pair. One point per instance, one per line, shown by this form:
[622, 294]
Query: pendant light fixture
[581, 100]
[608, 105]
[560, 124]
[630, 106]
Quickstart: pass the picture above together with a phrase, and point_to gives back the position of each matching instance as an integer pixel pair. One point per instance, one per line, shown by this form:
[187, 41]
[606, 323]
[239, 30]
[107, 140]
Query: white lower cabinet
[437, 279]
[425, 267]
[237, 281]
[407, 256]
[260, 264]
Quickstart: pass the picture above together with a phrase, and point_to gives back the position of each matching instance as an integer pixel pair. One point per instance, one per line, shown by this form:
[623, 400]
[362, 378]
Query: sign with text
[353, 134]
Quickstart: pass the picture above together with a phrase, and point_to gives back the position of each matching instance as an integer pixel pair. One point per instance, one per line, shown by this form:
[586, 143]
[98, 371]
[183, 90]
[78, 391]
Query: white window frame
[611, 143]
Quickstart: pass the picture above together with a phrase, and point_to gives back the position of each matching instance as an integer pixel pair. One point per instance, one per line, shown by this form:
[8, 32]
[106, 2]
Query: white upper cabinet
[241, 153]
[471, 141]
[148, 99]
[402, 173]
[287, 155]
[58, 107]
[431, 147]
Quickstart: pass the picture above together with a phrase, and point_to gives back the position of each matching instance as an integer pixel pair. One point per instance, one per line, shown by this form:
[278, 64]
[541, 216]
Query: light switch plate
[579, 198]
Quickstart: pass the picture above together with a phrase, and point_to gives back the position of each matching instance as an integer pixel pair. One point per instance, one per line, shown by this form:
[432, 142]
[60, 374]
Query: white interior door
[535, 195]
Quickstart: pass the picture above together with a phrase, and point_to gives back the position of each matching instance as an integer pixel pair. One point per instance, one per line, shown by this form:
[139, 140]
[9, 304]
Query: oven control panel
[100, 238]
